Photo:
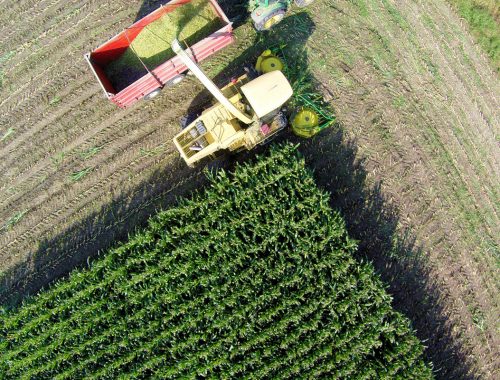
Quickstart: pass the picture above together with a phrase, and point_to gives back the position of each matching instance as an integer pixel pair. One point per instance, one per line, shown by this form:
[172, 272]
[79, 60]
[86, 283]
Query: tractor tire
[152, 94]
[303, 3]
[270, 20]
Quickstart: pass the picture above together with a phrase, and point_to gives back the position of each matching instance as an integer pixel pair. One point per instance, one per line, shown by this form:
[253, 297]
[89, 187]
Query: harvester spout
[216, 92]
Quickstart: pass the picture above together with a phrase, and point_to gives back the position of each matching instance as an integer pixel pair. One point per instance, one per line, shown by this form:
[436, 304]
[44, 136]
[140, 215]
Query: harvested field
[413, 166]
[483, 20]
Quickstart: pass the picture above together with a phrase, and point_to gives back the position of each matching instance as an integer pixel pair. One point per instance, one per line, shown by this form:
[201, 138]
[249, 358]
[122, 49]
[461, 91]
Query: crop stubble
[446, 116]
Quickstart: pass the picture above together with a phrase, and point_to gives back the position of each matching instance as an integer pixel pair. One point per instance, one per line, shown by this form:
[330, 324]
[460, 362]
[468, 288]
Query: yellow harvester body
[218, 129]
[247, 113]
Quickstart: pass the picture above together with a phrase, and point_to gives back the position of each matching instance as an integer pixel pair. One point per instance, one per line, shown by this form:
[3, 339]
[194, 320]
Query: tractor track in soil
[62, 56]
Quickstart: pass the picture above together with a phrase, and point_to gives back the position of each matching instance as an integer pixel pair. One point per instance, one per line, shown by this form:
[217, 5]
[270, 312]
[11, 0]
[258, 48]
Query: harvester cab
[267, 13]
[249, 112]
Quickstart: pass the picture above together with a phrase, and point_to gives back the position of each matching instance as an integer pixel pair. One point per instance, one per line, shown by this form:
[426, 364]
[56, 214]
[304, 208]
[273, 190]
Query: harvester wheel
[305, 123]
[188, 119]
[269, 21]
[303, 3]
[268, 62]
[175, 80]
[152, 94]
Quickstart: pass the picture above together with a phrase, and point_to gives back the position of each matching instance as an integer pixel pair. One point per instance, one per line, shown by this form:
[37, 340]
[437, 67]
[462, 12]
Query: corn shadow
[395, 255]
[86, 239]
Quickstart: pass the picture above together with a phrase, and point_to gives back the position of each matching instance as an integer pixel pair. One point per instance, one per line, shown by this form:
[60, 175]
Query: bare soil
[413, 164]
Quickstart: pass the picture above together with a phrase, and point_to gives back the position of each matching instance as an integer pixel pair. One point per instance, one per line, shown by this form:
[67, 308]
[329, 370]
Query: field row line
[47, 30]
[53, 67]
[89, 191]
[444, 123]
[110, 126]
[29, 9]
[41, 273]
[39, 129]
[68, 34]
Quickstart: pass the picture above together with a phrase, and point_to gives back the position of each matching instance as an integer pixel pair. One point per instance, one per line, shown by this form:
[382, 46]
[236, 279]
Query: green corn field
[252, 278]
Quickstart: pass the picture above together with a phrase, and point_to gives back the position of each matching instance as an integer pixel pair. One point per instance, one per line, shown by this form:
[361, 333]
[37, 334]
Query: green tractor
[267, 13]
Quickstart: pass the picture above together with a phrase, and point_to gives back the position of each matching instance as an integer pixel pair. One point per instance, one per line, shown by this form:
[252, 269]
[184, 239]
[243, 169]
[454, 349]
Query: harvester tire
[270, 20]
[303, 3]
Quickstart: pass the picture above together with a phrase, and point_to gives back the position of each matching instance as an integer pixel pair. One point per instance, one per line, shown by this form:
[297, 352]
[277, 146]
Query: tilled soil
[413, 165]
[420, 102]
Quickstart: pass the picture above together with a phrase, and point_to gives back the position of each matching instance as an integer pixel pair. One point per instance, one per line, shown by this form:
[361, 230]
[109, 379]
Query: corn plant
[253, 277]
[80, 174]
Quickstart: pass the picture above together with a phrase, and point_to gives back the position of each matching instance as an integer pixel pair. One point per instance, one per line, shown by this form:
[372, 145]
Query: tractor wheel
[152, 94]
[175, 80]
[303, 3]
[269, 21]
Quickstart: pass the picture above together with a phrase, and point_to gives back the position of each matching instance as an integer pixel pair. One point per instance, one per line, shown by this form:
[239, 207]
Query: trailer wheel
[175, 80]
[303, 3]
[152, 94]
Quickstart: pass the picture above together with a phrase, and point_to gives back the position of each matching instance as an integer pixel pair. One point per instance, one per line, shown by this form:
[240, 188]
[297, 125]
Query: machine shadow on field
[337, 169]
[85, 240]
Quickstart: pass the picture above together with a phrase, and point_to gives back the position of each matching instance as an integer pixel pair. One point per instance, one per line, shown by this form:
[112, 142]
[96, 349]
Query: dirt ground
[413, 164]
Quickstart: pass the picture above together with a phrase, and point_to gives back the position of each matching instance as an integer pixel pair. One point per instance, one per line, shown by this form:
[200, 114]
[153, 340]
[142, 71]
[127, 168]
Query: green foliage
[254, 277]
[7, 57]
[80, 174]
[7, 134]
[153, 152]
[58, 159]
[484, 22]
[55, 100]
[89, 153]
[13, 220]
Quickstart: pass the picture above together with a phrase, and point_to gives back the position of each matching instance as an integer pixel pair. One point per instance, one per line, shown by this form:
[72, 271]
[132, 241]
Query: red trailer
[169, 72]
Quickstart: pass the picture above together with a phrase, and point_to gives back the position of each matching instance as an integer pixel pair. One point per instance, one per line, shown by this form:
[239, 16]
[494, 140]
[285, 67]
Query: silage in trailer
[189, 23]
[253, 277]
